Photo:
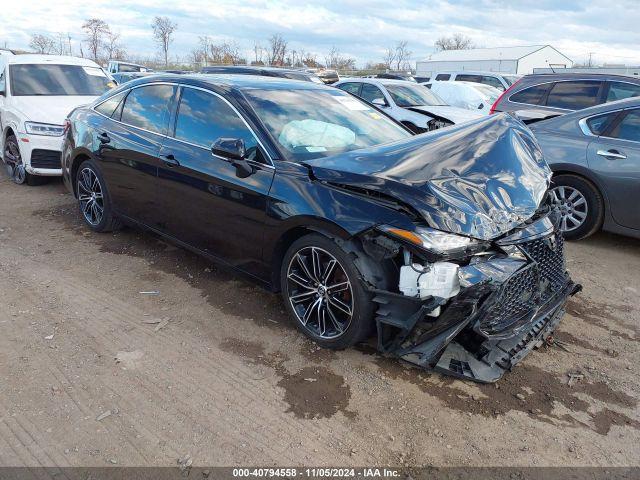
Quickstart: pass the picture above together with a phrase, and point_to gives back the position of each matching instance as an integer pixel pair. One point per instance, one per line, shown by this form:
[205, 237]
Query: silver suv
[559, 93]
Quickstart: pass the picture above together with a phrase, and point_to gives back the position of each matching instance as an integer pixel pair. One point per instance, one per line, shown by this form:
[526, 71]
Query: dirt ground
[95, 373]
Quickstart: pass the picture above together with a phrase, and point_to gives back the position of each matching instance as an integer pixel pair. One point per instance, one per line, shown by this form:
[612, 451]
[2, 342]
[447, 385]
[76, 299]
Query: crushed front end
[476, 312]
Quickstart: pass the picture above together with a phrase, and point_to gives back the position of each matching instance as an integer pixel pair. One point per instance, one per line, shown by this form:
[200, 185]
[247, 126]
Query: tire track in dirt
[86, 295]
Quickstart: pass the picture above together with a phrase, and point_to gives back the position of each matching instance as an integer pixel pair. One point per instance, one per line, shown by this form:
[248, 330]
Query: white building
[519, 60]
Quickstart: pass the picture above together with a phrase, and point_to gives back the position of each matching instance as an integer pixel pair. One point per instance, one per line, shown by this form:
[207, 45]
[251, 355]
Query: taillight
[495, 104]
[67, 126]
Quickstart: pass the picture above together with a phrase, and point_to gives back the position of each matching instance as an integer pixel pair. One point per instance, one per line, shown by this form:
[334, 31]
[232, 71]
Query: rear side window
[628, 128]
[204, 117]
[620, 91]
[443, 76]
[148, 107]
[109, 106]
[351, 87]
[574, 95]
[469, 78]
[598, 125]
[532, 95]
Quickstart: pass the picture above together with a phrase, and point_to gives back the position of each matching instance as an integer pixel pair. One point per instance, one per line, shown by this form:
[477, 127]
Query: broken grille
[528, 288]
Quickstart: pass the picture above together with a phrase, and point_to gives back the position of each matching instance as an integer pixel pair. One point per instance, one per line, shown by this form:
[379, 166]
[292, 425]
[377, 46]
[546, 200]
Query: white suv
[36, 94]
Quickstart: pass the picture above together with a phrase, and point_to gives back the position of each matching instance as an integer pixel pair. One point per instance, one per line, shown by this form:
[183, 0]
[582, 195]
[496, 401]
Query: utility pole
[590, 63]
[69, 38]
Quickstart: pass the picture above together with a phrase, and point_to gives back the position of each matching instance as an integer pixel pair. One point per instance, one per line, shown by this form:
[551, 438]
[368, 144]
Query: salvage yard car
[36, 94]
[595, 154]
[413, 105]
[444, 244]
[472, 96]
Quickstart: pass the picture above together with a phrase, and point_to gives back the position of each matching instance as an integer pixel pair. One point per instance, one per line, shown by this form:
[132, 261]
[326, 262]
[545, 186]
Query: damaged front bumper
[506, 307]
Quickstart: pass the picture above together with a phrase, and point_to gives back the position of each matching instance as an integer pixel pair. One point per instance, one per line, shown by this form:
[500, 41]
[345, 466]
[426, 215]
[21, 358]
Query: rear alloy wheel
[94, 200]
[90, 196]
[580, 205]
[323, 292]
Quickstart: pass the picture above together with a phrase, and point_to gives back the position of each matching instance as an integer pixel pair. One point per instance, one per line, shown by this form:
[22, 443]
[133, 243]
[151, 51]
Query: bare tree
[402, 55]
[163, 29]
[95, 30]
[389, 57]
[41, 43]
[225, 53]
[337, 61]
[277, 50]
[310, 60]
[113, 48]
[457, 41]
[204, 41]
[258, 53]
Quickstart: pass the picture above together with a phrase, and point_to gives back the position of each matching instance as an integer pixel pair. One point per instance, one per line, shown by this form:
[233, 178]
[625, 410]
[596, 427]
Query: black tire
[361, 322]
[36, 180]
[595, 205]
[108, 222]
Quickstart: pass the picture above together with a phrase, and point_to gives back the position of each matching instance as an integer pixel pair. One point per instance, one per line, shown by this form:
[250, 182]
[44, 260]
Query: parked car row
[355, 202]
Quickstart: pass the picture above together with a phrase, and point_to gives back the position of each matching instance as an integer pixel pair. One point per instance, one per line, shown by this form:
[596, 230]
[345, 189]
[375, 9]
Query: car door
[615, 158]
[206, 201]
[128, 145]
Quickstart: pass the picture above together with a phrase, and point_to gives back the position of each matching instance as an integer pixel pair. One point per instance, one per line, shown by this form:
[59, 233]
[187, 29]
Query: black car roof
[577, 76]
[239, 82]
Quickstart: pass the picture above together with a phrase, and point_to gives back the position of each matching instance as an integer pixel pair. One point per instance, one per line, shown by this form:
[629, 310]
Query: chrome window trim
[269, 165]
[582, 123]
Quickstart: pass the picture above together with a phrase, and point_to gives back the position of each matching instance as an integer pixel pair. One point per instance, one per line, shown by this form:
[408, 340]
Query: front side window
[315, 123]
[492, 81]
[620, 91]
[351, 87]
[57, 80]
[413, 95]
[574, 95]
[148, 107]
[628, 128]
[203, 118]
[532, 95]
[371, 92]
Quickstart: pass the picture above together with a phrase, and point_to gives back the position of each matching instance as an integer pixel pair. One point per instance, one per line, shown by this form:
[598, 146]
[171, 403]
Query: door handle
[611, 154]
[103, 138]
[169, 160]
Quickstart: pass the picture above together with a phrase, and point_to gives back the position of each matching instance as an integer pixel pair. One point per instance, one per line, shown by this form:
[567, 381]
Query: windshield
[310, 124]
[491, 93]
[413, 95]
[38, 79]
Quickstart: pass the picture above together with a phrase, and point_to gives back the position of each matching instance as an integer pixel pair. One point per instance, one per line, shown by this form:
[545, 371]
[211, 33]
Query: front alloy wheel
[320, 293]
[13, 160]
[572, 205]
[90, 196]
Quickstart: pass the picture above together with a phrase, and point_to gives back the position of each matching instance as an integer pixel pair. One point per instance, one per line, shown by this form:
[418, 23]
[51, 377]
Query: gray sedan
[595, 156]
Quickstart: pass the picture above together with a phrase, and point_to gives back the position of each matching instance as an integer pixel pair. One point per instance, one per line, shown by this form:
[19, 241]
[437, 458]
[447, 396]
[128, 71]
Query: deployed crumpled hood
[49, 109]
[480, 179]
[455, 114]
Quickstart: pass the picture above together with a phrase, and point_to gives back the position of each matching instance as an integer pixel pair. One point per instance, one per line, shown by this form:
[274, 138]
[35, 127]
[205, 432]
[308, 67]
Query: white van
[501, 81]
[37, 92]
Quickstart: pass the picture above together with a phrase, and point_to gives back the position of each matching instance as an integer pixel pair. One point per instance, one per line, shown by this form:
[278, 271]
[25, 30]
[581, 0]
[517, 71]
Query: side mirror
[379, 102]
[234, 150]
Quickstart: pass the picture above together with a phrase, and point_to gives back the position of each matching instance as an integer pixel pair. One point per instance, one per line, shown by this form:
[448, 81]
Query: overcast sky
[359, 28]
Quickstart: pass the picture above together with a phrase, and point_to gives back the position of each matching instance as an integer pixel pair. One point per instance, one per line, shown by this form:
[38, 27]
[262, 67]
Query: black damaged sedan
[444, 245]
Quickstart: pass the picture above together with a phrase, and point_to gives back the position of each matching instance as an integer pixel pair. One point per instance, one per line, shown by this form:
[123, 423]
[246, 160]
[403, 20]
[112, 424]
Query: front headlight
[34, 128]
[435, 241]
